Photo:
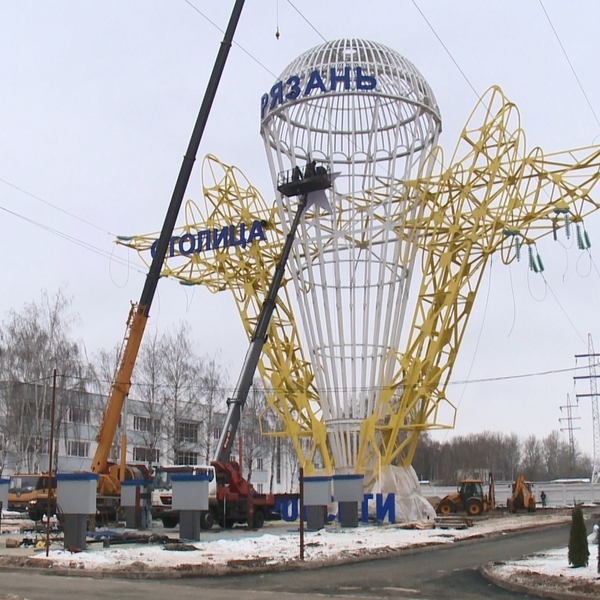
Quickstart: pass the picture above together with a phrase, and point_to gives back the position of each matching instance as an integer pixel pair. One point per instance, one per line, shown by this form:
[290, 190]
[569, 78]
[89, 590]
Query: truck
[232, 498]
[225, 507]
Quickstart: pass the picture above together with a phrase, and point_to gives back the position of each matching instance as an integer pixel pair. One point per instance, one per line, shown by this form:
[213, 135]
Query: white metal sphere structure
[366, 112]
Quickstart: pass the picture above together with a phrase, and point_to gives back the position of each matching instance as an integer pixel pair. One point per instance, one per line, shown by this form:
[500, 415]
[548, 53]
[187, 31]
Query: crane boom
[294, 183]
[138, 317]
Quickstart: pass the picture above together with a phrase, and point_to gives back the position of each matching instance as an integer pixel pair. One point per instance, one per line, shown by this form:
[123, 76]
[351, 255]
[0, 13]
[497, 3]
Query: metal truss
[494, 197]
[229, 199]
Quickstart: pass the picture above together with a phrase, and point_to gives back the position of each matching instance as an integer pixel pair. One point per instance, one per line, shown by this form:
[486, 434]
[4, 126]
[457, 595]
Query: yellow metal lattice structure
[494, 196]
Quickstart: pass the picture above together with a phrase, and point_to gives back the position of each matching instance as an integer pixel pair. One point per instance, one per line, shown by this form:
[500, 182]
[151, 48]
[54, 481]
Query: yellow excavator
[469, 498]
[522, 497]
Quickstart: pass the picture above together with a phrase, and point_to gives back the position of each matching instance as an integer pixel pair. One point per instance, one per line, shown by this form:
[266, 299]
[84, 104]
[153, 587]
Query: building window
[146, 424]
[187, 431]
[259, 488]
[77, 414]
[259, 464]
[186, 458]
[147, 455]
[81, 449]
[216, 433]
[256, 438]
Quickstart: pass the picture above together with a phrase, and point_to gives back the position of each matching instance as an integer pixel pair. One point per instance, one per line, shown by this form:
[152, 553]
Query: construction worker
[543, 497]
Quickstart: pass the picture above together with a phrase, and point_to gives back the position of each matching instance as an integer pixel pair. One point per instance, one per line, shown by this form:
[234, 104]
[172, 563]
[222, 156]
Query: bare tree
[255, 452]
[214, 384]
[533, 459]
[33, 343]
[182, 391]
[148, 387]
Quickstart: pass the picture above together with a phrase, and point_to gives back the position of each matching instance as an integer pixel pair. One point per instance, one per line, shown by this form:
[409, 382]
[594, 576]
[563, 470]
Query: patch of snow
[272, 549]
[554, 563]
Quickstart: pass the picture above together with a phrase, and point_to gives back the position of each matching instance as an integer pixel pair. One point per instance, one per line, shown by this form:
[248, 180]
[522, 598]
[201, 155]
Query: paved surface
[439, 573]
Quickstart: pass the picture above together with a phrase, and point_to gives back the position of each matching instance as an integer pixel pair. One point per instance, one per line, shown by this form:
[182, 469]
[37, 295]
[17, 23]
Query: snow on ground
[268, 549]
[554, 563]
[278, 545]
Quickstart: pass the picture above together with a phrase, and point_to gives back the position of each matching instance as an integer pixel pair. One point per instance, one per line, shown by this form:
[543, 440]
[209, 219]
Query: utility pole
[593, 379]
[569, 429]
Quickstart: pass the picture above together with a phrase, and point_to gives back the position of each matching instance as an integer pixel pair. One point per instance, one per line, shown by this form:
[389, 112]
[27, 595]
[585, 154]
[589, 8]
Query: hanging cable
[66, 212]
[71, 239]
[570, 63]
[446, 49]
[234, 42]
[307, 21]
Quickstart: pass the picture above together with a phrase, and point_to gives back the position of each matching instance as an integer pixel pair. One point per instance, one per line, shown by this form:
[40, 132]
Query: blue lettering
[289, 510]
[256, 231]
[314, 81]
[264, 102]
[294, 83]
[242, 241]
[174, 240]
[385, 508]
[221, 236]
[335, 78]
[364, 82]
[364, 513]
[276, 95]
[206, 235]
[189, 239]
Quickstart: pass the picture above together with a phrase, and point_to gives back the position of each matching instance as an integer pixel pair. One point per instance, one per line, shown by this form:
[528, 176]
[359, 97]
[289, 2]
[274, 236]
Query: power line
[12, 185]
[562, 309]
[570, 63]
[307, 21]
[73, 240]
[234, 43]
[445, 48]
[226, 388]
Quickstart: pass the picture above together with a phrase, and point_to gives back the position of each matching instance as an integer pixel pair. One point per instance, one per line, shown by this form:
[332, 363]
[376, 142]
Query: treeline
[505, 455]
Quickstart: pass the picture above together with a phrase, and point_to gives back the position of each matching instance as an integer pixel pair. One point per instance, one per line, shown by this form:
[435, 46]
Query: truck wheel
[446, 507]
[531, 505]
[207, 520]
[474, 507]
[170, 521]
[259, 519]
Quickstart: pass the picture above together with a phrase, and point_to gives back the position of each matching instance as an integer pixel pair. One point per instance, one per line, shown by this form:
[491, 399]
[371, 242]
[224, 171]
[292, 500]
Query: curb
[487, 571]
[141, 570]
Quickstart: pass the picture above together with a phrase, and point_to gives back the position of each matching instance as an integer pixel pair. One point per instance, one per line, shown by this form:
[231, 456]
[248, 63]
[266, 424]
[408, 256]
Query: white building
[153, 437]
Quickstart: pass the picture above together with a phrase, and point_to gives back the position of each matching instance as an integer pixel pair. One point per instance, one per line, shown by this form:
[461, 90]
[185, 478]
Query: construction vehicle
[110, 474]
[226, 511]
[469, 498]
[29, 493]
[522, 496]
[233, 498]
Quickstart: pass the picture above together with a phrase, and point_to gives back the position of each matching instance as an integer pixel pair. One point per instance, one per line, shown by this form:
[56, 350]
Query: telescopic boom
[292, 183]
[138, 317]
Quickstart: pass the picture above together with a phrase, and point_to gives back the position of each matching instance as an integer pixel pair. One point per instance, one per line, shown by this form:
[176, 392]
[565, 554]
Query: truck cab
[162, 490]
[29, 493]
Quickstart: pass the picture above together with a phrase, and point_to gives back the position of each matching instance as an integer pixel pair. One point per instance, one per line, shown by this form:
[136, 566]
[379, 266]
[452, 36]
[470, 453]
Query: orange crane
[110, 474]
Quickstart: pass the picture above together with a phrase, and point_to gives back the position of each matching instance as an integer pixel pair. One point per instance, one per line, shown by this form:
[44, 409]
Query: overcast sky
[98, 102]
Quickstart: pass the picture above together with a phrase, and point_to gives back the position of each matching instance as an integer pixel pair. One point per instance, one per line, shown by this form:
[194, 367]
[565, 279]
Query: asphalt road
[439, 573]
